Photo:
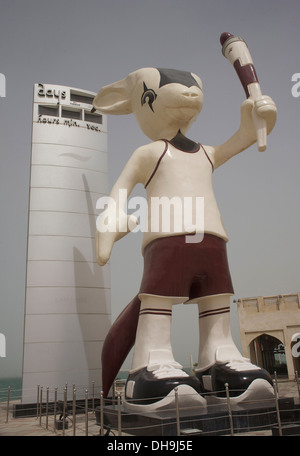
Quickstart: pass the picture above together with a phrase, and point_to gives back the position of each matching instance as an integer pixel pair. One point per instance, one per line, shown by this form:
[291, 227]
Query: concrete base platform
[214, 420]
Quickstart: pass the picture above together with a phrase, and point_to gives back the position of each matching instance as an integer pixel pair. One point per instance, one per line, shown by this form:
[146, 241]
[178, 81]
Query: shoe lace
[241, 364]
[166, 370]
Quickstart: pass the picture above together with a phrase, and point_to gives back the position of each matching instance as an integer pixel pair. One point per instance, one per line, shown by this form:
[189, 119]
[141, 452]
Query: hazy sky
[91, 43]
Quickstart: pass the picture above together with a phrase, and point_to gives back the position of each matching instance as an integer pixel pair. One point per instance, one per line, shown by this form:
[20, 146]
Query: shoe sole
[187, 398]
[258, 390]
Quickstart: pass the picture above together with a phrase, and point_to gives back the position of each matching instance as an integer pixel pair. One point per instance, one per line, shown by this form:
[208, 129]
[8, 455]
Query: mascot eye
[149, 96]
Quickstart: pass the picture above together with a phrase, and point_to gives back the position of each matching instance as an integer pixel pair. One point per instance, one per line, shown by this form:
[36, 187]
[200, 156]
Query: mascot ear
[114, 98]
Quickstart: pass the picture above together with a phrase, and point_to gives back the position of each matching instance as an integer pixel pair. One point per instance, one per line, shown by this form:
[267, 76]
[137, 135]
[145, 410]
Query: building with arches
[270, 332]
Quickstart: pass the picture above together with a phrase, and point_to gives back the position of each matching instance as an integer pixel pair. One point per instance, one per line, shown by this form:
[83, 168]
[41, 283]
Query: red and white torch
[236, 51]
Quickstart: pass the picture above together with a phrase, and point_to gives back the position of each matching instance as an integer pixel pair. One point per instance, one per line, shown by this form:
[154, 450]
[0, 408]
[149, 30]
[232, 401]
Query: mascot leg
[155, 374]
[220, 361]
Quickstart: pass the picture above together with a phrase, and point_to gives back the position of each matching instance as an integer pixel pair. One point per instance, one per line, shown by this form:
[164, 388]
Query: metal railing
[65, 412]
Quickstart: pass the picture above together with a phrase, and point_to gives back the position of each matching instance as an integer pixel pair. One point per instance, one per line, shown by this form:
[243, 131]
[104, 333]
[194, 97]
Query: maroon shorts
[175, 268]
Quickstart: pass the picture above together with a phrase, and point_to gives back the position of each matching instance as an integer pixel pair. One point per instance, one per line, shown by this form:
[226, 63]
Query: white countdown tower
[67, 310]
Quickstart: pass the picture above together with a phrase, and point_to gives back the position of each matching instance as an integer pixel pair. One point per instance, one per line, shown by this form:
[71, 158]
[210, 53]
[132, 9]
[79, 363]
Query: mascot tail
[118, 343]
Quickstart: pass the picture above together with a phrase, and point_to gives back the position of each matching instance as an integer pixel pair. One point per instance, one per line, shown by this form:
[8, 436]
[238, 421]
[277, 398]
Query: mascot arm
[246, 134]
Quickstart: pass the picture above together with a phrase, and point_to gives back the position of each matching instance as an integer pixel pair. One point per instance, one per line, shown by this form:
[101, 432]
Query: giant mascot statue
[180, 266]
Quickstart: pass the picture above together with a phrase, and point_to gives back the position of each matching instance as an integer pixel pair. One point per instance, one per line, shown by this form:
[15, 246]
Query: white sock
[215, 339]
[153, 336]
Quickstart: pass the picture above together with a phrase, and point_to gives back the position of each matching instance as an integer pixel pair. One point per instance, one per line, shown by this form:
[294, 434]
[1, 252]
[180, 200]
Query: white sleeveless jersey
[178, 189]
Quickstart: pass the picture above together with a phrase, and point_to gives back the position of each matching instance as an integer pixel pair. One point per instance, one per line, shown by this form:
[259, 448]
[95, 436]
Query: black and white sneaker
[245, 381]
[148, 389]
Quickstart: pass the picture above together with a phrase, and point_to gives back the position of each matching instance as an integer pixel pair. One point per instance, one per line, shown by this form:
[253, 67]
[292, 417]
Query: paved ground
[34, 427]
